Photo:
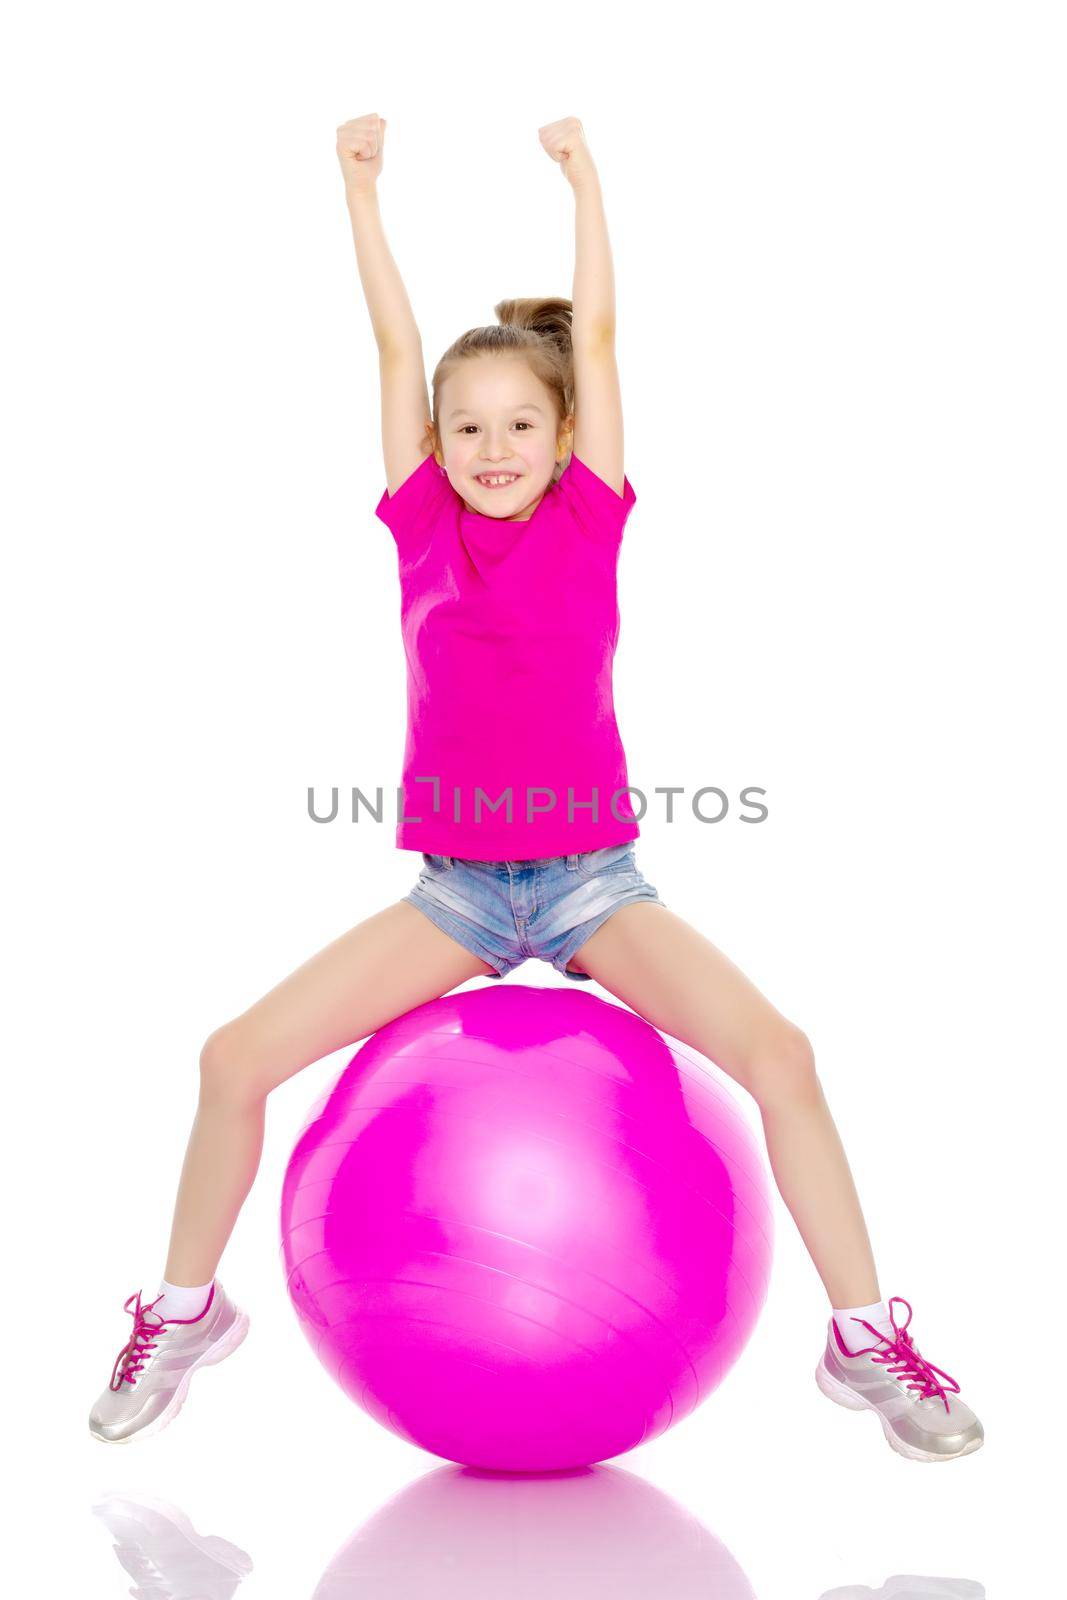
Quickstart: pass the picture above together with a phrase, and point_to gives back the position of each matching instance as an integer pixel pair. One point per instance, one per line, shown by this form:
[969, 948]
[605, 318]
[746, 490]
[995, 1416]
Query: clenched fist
[359, 150]
[565, 142]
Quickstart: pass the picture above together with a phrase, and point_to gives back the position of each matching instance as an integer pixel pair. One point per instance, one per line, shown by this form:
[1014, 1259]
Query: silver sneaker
[916, 1402]
[152, 1372]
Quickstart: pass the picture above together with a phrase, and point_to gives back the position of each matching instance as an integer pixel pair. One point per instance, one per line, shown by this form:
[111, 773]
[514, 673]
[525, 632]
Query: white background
[839, 249]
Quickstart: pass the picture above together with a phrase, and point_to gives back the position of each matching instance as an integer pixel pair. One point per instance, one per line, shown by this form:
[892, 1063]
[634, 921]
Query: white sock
[857, 1337]
[181, 1302]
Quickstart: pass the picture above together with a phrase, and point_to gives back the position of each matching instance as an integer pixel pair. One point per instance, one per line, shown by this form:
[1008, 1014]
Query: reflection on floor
[159, 1547]
[906, 1586]
[460, 1534]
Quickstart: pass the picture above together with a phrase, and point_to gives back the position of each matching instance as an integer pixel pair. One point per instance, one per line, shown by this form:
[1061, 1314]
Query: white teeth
[495, 479]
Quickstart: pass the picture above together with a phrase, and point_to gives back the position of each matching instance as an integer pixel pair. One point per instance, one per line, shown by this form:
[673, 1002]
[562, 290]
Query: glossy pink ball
[524, 1232]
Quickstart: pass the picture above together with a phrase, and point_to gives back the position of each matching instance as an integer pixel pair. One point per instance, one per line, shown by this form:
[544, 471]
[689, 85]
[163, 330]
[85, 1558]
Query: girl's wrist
[356, 197]
[587, 180]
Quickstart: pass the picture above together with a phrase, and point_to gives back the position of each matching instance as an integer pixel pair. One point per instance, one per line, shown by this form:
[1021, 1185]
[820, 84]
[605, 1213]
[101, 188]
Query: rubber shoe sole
[842, 1396]
[231, 1339]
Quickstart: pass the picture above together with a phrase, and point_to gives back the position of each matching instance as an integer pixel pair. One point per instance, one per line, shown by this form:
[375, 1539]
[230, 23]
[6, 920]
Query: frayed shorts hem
[462, 933]
[585, 930]
[465, 934]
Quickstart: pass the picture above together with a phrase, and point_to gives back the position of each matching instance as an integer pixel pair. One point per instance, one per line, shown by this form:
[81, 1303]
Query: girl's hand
[359, 150]
[565, 143]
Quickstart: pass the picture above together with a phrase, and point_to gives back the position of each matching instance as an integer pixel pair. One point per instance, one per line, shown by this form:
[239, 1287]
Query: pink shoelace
[901, 1358]
[141, 1343]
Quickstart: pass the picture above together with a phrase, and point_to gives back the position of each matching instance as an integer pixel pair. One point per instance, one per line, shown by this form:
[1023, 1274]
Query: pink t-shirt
[510, 631]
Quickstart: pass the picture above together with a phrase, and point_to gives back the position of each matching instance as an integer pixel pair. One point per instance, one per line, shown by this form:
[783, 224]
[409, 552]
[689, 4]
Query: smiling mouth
[496, 480]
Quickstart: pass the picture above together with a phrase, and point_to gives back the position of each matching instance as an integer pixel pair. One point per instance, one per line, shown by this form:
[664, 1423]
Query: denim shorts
[508, 911]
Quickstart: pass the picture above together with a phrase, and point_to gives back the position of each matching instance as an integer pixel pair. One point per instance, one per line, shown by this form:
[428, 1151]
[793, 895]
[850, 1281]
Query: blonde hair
[539, 330]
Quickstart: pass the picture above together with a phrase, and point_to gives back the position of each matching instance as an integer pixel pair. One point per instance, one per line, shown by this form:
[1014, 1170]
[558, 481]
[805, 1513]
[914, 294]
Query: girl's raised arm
[598, 435]
[405, 401]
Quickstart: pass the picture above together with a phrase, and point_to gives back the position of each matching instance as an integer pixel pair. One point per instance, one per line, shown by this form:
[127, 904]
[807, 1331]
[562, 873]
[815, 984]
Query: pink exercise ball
[524, 1232]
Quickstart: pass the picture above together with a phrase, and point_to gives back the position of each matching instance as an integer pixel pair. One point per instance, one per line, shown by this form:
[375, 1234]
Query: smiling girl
[507, 500]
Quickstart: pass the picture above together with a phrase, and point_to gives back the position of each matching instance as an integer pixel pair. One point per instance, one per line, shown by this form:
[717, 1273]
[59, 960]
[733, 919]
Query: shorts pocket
[612, 858]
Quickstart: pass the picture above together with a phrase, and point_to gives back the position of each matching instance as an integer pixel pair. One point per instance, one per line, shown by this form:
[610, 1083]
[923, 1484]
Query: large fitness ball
[523, 1231]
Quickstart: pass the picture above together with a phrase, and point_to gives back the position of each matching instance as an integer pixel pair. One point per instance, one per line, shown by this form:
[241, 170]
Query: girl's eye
[468, 425]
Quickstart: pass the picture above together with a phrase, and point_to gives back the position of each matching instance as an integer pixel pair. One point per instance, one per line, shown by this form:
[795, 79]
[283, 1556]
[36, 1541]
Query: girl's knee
[226, 1070]
[784, 1068]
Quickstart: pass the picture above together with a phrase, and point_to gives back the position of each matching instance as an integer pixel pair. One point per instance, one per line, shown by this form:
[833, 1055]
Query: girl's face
[498, 421]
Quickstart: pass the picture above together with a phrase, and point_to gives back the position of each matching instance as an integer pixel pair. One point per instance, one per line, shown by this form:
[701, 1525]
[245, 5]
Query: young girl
[507, 500]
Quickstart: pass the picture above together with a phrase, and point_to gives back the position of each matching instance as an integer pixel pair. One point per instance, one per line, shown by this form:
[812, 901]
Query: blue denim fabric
[508, 911]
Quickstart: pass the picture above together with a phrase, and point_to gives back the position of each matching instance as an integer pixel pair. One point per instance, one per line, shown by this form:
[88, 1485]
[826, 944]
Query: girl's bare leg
[386, 965]
[675, 978]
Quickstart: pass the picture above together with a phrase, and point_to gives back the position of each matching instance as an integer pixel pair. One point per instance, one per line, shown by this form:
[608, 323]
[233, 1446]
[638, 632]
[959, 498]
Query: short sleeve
[417, 504]
[594, 504]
